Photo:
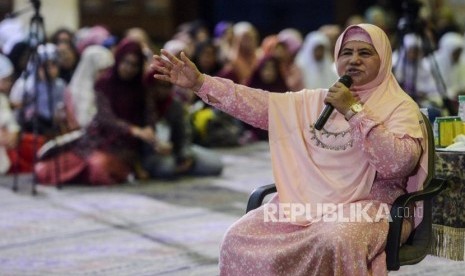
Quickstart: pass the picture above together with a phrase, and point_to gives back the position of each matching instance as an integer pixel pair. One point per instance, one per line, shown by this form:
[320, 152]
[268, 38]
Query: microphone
[324, 115]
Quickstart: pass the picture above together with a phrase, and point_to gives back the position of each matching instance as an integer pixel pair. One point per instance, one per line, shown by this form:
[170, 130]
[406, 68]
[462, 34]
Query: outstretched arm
[245, 103]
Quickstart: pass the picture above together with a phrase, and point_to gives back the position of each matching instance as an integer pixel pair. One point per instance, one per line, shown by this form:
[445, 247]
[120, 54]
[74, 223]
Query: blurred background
[162, 17]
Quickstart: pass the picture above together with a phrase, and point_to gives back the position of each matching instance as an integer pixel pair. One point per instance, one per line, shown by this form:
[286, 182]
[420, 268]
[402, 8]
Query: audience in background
[315, 61]
[223, 37]
[450, 67]
[68, 58]
[94, 35]
[230, 50]
[62, 35]
[332, 31]
[9, 128]
[267, 76]
[37, 98]
[140, 35]
[111, 147]
[206, 57]
[19, 56]
[415, 76]
[174, 153]
[290, 41]
[243, 56]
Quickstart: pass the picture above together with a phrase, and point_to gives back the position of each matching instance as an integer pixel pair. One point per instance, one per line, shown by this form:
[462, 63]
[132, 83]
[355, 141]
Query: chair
[418, 244]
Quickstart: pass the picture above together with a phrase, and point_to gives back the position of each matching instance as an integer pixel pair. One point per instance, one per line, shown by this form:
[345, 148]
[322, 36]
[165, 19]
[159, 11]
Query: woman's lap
[255, 247]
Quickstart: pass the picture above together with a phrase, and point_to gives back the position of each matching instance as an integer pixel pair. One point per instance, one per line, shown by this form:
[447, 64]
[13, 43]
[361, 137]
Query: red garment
[22, 158]
[65, 167]
[100, 168]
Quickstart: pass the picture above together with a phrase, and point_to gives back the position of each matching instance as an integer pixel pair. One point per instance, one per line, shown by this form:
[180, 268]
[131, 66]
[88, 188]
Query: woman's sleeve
[244, 103]
[391, 155]
[106, 118]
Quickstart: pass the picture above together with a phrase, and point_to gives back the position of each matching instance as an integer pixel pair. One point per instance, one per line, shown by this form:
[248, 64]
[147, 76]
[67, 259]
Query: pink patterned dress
[253, 246]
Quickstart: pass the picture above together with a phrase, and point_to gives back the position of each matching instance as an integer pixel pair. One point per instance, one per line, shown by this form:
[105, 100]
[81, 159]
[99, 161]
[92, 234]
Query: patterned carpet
[152, 228]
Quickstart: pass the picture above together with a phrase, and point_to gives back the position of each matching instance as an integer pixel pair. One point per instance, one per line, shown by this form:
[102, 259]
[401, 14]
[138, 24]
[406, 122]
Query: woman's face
[268, 72]
[52, 70]
[5, 84]
[360, 61]
[129, 67]
[456, 55]
[99, 73]
[413, 54]
[207, 59]
[67, 58]
[319, 52]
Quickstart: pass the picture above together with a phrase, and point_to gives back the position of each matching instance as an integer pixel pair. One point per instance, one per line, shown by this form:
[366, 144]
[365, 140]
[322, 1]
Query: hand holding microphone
[346, 81]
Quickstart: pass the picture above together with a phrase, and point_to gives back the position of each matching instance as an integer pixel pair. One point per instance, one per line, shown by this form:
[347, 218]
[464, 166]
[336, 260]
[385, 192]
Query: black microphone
[347, 81]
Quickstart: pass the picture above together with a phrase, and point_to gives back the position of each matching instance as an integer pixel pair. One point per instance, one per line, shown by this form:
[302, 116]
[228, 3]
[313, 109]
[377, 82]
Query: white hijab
[81, 87]
[451, 73]
[316, 74]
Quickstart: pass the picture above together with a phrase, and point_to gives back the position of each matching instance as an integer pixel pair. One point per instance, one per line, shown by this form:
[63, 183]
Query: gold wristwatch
[354, 109]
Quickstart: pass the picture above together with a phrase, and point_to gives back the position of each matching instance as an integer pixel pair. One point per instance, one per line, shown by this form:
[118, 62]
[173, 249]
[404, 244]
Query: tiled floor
[153, 228]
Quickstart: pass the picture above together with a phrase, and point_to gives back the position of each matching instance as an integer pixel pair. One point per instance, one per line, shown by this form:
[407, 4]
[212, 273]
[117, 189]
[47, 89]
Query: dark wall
[271, 16]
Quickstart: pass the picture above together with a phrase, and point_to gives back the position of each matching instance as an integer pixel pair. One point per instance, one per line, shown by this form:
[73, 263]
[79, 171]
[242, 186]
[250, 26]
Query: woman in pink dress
[335, 185]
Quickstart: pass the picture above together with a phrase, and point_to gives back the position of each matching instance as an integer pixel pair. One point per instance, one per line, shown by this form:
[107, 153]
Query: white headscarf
[316, 74]
[81, 87]
[6, 67]
[452, 74]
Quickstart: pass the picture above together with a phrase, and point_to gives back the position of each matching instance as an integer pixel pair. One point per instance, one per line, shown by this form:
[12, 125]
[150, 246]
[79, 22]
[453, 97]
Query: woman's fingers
[174, 60]
[161, 77]
[161, 62]
[186, 60]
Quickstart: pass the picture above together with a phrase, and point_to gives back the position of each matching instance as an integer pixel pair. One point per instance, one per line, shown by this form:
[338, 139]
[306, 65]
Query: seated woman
[110, 150]
[371, 151]
[174, 154]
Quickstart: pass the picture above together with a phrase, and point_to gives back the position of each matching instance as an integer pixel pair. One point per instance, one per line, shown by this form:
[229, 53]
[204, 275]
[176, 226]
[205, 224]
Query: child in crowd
[38, 98]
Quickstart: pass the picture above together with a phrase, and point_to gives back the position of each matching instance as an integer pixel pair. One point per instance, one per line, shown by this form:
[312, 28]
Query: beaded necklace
[324, 132]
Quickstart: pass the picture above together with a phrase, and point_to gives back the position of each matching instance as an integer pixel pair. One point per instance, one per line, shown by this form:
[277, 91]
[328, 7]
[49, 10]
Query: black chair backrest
[417, 247]
[431, 149]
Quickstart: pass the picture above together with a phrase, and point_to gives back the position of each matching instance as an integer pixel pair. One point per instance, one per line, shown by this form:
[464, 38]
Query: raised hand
[181, 72]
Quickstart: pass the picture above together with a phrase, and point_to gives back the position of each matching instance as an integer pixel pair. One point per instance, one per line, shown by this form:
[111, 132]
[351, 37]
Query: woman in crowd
[68, 59]
[223, 37]
[206, 57]
[451, 68]
[175, 154]
[267, 76]
[19, 56]
[111, 147]
[80, 93]
[372, 150]
[289, 43]
[244, 53]
[416, 77]
[315, 61]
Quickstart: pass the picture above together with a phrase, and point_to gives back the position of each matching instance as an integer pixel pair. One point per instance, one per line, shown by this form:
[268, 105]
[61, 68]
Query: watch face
[356, 107]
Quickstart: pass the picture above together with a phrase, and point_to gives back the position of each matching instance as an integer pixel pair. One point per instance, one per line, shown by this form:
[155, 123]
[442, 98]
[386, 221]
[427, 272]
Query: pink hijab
[306, 173]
